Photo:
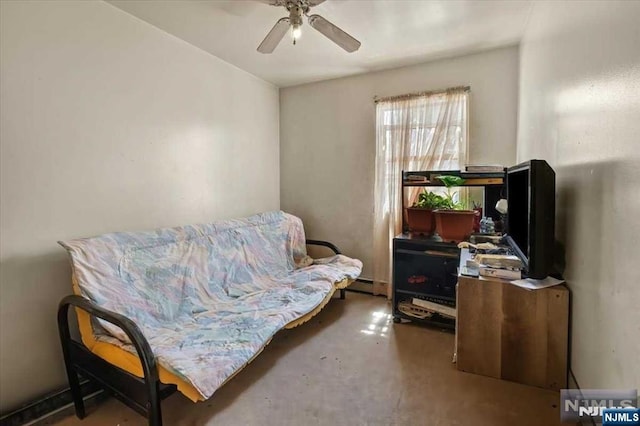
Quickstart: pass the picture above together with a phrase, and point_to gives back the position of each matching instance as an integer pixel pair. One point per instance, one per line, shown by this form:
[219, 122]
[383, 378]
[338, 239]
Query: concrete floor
[351, 365]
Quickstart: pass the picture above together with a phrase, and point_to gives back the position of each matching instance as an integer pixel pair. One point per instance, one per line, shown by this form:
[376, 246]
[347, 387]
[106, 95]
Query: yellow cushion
[131, 363]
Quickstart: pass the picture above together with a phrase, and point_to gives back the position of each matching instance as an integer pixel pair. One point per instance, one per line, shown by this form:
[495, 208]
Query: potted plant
[420, 216]
[452, 222]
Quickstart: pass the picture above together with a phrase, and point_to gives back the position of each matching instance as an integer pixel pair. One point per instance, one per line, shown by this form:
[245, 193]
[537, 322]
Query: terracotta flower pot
[454, 225]
[420, 220]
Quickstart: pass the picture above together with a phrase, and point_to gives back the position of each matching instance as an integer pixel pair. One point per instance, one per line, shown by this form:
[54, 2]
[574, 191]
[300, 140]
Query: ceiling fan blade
[334, 33]
[272, 2]
[310, 3]
[275, 35]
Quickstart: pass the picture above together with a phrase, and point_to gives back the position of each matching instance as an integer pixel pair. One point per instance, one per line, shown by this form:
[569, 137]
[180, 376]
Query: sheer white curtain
[425, 132]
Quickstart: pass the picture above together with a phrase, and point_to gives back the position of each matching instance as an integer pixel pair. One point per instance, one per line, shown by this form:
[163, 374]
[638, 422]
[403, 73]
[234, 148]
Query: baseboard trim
[49, 404]
[353, 290]
[362, 286]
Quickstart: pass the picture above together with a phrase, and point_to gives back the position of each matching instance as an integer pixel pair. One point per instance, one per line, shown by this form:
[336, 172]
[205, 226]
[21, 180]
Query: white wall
[327, 145]
[580, 110]
[110, 124]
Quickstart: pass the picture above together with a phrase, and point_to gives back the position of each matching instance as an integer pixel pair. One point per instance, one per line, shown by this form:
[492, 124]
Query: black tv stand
[425, 269]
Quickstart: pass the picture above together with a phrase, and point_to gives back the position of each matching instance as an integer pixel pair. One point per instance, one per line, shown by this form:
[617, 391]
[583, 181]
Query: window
[421, 132]
[417, 123]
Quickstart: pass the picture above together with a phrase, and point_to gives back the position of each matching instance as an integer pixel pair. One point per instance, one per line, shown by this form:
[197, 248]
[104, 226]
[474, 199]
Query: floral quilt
[207, 297]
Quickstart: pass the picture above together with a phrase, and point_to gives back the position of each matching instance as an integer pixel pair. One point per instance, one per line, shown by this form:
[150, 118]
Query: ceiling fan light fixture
[296, 33]
[295, 17]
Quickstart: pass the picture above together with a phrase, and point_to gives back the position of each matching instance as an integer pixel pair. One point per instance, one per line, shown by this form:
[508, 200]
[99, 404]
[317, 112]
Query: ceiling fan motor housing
[291, 4]
[295, 15]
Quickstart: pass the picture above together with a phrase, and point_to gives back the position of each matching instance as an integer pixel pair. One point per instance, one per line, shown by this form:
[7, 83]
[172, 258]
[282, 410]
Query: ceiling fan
[298, 8]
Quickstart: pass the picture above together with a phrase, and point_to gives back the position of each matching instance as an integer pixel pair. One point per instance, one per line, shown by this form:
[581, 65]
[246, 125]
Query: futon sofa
[187, 308]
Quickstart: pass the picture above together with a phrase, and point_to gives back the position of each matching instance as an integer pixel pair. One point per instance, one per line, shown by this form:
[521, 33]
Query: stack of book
[443, 310]
[483, 175]
[484, 168]
[424, 309]
[408, 308]
[497, 266]
[416, 179]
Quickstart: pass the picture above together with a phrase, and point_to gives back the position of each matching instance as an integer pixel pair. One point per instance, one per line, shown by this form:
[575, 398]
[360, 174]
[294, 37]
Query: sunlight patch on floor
[379, 324]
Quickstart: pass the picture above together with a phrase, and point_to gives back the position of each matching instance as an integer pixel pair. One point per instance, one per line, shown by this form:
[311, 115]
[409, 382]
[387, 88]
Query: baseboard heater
[50, 403]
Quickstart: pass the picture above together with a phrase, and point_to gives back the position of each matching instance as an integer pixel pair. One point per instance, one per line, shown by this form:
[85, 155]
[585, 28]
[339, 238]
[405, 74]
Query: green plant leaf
[450, 181]
[431, 201]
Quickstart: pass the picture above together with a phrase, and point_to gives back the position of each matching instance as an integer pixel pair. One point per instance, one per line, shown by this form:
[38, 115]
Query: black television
[531, 198]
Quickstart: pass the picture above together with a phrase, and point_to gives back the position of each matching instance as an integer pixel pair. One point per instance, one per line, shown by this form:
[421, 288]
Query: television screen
[531, 215]
[518, 202]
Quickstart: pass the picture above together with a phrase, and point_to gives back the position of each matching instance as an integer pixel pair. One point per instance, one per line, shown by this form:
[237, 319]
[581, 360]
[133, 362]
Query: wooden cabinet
[510, 333]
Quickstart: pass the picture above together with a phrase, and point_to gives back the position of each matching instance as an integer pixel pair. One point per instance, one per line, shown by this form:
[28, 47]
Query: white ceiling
[393, 33]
